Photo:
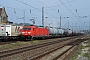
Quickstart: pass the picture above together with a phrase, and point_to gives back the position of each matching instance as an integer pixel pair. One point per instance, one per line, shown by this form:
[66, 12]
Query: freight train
[33, 31]
[14, 32]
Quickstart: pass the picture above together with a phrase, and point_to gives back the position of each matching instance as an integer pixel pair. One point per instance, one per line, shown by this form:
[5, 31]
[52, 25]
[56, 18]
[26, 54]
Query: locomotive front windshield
[26, 28]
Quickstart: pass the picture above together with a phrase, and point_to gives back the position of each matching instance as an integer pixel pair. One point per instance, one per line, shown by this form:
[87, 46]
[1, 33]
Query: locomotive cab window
[33, 29]
[26, 28]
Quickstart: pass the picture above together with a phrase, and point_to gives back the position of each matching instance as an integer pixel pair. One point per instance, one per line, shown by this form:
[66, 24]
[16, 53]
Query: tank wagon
[68, 32]
[55, 32]
[75, 32]
[8, 32]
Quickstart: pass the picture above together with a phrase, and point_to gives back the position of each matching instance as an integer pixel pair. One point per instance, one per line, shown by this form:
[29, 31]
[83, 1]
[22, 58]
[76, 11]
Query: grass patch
[17, 44]
[86, 55]
[10, 45]
[33, 41]
[82, 47]
[76, 54]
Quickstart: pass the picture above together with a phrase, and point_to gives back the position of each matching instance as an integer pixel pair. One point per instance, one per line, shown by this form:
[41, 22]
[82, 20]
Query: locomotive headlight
[23, 32]
[29, 32]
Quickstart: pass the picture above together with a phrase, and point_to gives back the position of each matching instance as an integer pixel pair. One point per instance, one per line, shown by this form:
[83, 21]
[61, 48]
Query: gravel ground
[31, 53]
[28, 54]
[55, 54]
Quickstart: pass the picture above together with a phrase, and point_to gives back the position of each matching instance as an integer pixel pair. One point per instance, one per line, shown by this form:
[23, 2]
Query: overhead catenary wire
[15, 10]
[35, 8]
[70, 10]
[67, 8]
[19, 9]
[76, 12]
[60, 4]
[47, 6]
[50, 8]
[73, 8]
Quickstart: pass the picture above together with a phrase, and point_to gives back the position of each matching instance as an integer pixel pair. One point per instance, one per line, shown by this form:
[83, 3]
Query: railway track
[7, 53]
[61, 52]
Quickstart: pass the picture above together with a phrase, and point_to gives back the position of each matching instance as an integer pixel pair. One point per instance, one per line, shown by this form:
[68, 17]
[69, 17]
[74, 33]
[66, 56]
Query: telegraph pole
[42, 16]
[24, 17]
[68, 24]
[60, 21]
[72, 26]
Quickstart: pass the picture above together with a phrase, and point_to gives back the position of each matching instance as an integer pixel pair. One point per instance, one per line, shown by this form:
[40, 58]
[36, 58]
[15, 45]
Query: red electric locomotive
[33, 31]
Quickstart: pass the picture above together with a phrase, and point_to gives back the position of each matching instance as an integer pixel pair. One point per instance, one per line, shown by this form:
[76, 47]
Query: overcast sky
[78, 12]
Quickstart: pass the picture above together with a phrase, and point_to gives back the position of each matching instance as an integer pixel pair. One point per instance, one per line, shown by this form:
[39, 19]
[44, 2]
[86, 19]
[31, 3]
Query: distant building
[4, 16]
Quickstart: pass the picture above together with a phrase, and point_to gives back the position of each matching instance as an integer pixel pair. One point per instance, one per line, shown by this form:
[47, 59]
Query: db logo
[2, 27]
